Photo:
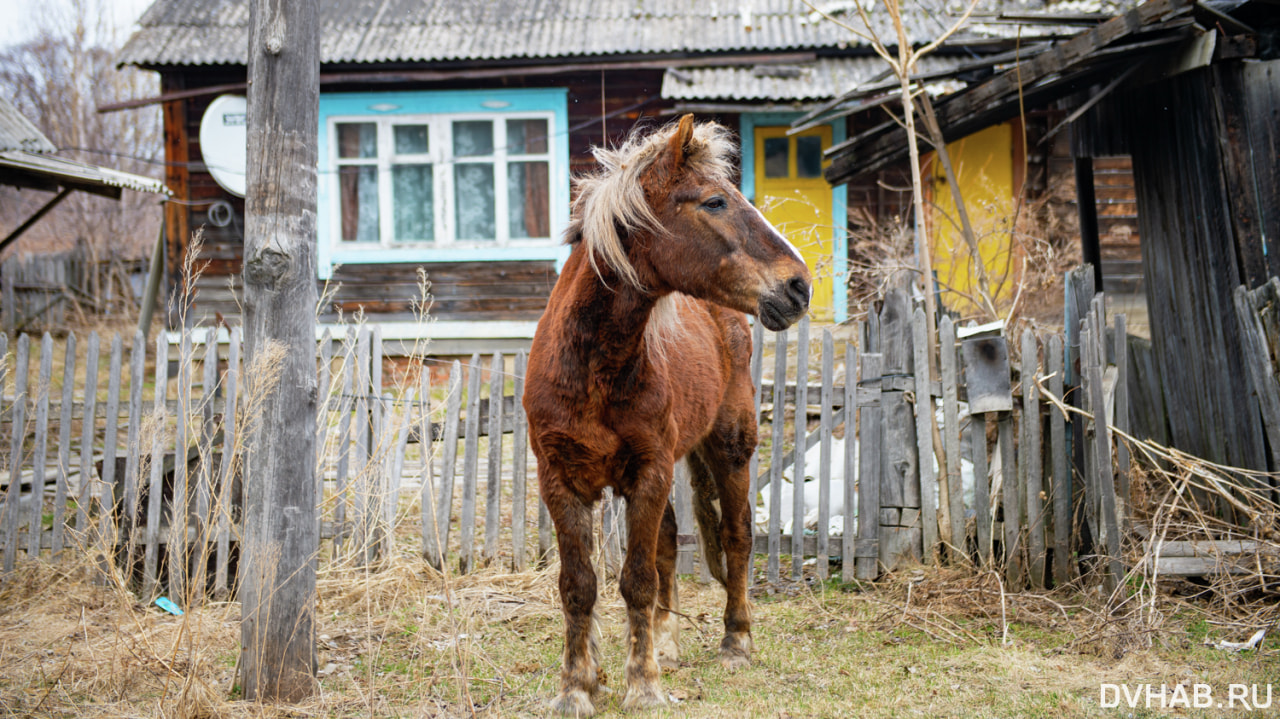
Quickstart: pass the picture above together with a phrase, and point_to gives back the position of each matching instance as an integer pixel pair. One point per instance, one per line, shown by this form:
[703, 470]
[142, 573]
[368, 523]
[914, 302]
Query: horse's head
[693, 231]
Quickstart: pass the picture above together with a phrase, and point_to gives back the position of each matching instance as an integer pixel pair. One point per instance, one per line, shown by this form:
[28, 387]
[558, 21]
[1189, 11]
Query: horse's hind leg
[666, 643]
[722, 507]
[580, 676]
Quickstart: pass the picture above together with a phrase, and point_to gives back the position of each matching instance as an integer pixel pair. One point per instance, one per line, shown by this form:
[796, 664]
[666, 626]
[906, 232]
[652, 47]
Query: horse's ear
[680, 140]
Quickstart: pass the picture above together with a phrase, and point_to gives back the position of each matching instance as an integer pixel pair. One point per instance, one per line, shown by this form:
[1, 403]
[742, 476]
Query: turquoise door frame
[748, 122]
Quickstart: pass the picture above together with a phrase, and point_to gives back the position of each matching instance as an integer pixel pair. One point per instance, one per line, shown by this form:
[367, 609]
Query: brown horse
[641, 359]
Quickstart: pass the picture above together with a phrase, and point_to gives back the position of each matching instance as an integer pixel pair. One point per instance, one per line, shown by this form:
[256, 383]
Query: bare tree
[57, 79]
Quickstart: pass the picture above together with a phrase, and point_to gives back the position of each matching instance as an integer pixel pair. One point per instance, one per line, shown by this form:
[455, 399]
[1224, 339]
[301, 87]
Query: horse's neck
[611, 324]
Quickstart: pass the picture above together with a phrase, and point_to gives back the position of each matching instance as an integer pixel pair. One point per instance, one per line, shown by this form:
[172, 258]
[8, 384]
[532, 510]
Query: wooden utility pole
[277, 571]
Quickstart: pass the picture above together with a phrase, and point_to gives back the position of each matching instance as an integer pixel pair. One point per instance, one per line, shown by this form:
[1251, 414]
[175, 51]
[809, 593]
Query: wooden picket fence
[387, 460]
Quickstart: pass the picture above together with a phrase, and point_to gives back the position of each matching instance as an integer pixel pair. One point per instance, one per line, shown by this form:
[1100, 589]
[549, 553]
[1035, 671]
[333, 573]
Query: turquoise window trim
[748, 122]
[444, 102]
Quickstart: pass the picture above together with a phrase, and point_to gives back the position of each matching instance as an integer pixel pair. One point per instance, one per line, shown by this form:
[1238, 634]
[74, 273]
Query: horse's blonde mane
[614, 198]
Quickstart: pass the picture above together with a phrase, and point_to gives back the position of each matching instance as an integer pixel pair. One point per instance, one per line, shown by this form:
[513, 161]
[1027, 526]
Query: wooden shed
[450, 130]
[1191, 92]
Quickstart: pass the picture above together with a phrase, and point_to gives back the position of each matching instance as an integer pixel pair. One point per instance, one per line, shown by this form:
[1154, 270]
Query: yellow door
[983, 163]
[791, 193]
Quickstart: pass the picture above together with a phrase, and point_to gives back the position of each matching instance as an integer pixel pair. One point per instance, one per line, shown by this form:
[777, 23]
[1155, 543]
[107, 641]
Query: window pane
[775, 157]
[357, 139]
[411, 194]
[528, 199]
[358, 195]
[526, 137]
[411, 139]
[474, 198]
[473, 137]
[809, 156]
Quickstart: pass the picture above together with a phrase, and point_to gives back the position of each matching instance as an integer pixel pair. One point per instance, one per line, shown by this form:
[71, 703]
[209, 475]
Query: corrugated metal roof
[77, 175]
[17, 132]
[825, 78]
[205, 32]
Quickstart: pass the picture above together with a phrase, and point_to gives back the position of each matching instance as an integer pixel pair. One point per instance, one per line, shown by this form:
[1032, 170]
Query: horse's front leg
[646, 504]
[580, 675]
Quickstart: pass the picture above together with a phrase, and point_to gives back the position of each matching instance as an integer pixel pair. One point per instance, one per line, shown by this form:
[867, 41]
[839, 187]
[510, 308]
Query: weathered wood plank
[825, 428]
[493, 475]
[1011, 513]
[181, 477]
[775, 466]
[801, 424]
[88, 430]
[1113, 572]
[159, 420]
[848, 537]
[1031, 458]
[519, 467]
[924, 439]
[951, 433]
[345, 403]
[448, 467]
[64, 444]
[1060, 481]
[981, 487]
[231, 463]
[427, 483]
[360, 483]
[132, 479]
[470, 468]
[870, 427]
[13, 496]
[39, 458]
[1121, 416]
[209, 391]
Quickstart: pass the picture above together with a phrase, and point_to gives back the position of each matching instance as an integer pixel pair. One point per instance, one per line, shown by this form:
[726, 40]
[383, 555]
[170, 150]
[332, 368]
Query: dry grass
[406, 640]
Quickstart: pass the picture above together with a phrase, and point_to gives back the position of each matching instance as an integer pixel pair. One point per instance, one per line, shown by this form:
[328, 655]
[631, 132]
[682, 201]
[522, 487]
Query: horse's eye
[715, 203]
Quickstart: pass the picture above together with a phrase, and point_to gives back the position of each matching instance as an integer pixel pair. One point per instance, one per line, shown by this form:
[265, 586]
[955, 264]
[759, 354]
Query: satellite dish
[224, 141]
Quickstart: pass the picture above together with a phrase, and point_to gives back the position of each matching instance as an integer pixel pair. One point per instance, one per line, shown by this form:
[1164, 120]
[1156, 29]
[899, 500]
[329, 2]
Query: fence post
[493, 479]
[924, 438]
[159, 420]
[824, 463]
[1061, 480]
[519, 467]
[13, 497]
[87, 431]
[801, 423]
[1030, 458]
[870, 426]
[1009, 500]
[230, 453]
[64, 444]
[470, 467]
[951, 434]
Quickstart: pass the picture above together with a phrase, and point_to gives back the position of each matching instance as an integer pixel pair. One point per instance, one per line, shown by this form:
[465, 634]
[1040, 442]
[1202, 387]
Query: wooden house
[450, 129]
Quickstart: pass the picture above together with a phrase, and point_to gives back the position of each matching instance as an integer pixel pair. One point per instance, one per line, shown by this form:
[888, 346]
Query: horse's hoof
[733, 659]
[735, 651]
[645, 696]
[573, 703]
[668, 662]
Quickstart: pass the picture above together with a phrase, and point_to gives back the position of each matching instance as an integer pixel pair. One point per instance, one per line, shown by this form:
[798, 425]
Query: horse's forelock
[614, 196]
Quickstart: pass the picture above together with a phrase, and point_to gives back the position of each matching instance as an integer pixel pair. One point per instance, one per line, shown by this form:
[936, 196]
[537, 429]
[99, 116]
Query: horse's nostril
[798, 289]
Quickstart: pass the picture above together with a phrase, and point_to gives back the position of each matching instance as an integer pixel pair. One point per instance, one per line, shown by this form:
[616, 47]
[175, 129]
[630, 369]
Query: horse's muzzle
[781, 308]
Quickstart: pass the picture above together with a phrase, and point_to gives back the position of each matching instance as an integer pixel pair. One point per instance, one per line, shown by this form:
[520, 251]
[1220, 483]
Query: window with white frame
[441, 180]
